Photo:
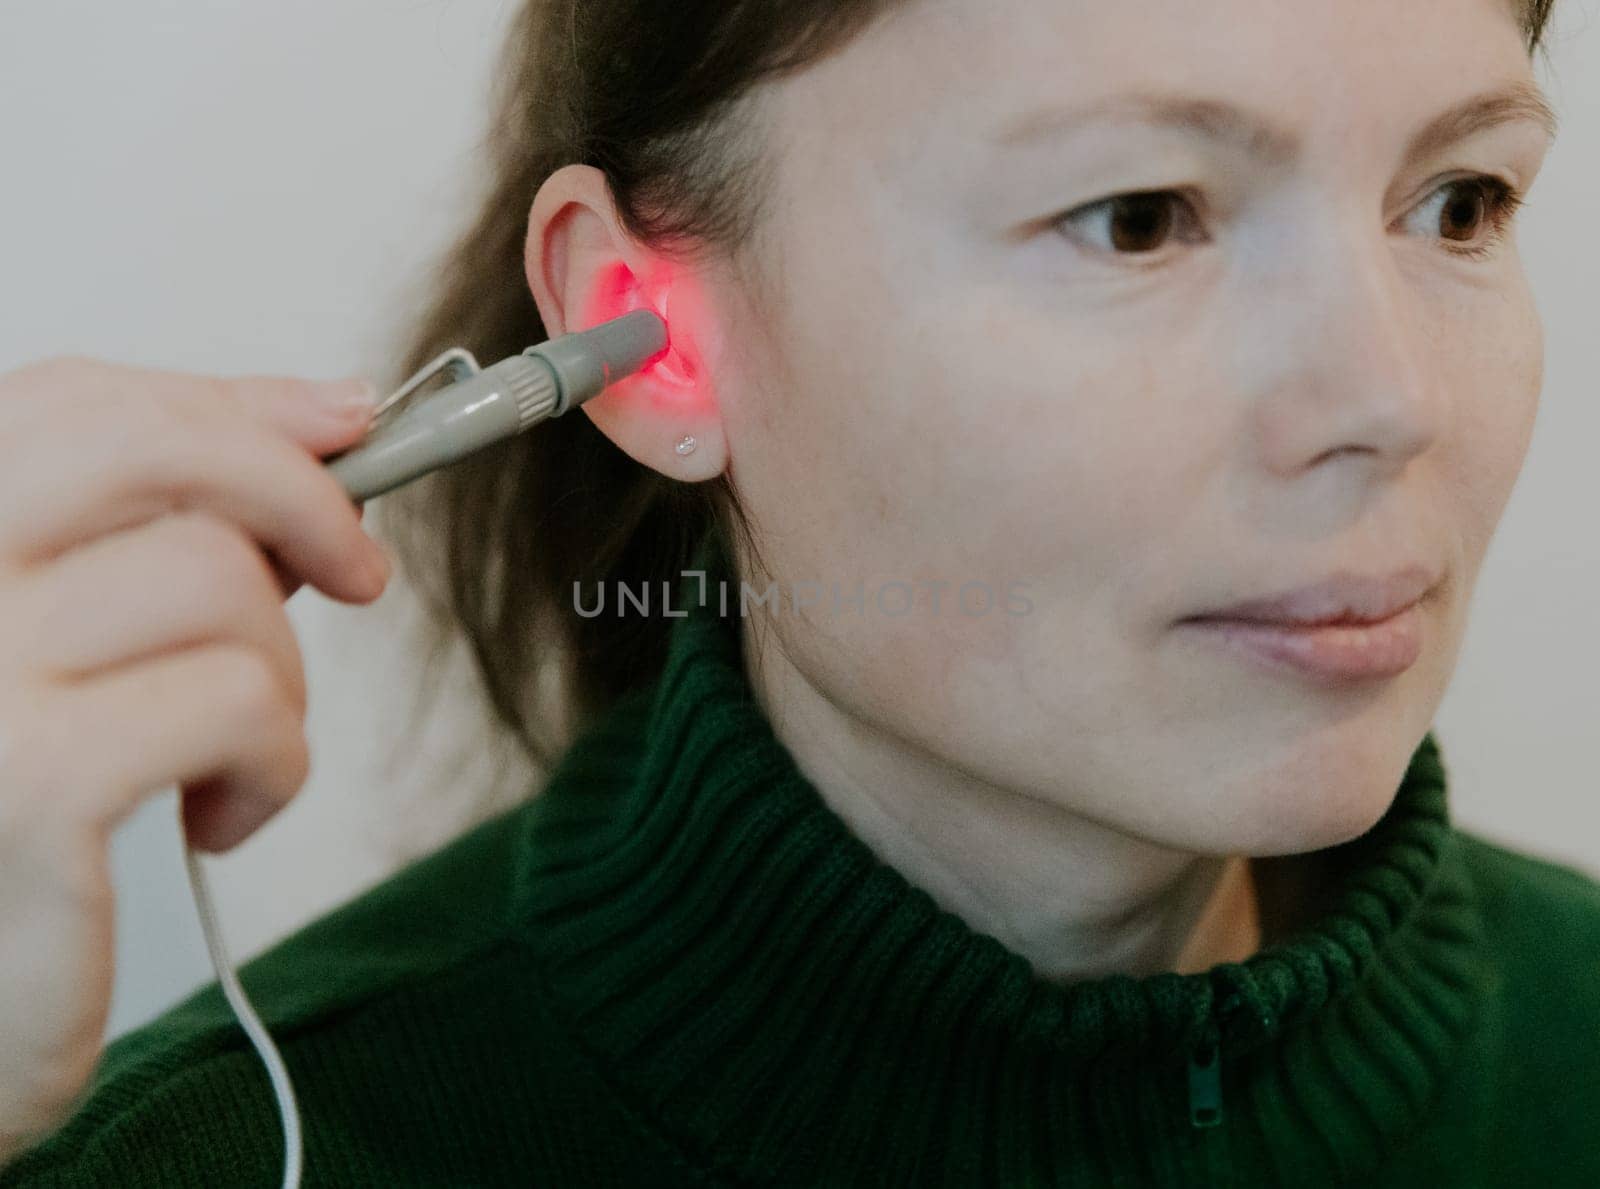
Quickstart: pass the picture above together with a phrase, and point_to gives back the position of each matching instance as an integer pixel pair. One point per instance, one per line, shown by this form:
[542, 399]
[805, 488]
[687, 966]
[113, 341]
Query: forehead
[958, 69]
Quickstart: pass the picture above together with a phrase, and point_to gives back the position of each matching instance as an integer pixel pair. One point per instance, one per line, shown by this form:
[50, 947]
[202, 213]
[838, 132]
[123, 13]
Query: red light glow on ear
[672, 365]
[620, 292]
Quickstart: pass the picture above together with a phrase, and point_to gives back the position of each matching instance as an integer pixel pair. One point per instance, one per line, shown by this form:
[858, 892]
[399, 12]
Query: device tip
[625, 345]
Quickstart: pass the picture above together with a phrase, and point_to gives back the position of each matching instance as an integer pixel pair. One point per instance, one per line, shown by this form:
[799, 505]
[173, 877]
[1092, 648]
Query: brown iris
[1464, 214]
[1140, 222]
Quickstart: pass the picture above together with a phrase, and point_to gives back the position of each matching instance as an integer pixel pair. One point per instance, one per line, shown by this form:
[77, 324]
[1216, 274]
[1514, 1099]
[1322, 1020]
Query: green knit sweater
[675, 966]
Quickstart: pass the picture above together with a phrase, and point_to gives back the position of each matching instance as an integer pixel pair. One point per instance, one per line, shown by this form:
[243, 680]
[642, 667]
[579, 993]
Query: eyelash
[1502, 200]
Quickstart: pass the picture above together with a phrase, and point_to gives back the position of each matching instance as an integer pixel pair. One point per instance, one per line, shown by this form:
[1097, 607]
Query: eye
[1472, 215]
[1138, 223]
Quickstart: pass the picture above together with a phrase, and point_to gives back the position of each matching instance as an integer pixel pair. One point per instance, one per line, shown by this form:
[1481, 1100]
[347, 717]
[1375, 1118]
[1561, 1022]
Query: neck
[758, 984]
[1074, 897]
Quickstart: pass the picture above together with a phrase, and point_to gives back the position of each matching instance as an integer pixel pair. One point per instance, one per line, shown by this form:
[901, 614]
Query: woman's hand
[151, 525]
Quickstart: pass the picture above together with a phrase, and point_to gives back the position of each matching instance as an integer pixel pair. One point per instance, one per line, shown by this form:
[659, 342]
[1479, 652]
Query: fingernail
[355, 396]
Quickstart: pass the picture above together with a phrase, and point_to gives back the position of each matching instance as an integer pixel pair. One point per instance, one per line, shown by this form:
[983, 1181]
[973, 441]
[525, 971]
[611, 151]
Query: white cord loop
[248, 1020]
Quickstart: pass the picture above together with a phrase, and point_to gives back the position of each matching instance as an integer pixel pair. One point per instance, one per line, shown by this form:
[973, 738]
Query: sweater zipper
[1205, 1077]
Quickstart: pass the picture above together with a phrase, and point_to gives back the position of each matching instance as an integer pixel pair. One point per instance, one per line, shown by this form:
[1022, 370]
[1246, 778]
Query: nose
[1355, 374]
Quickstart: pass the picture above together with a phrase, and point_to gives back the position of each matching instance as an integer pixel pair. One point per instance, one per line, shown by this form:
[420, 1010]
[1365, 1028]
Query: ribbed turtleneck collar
[788, 1009]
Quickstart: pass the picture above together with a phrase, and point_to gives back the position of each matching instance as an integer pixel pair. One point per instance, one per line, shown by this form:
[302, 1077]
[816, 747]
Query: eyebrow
[1221, 120]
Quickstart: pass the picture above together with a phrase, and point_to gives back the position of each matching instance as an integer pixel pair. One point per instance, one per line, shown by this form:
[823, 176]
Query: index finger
[109, 460]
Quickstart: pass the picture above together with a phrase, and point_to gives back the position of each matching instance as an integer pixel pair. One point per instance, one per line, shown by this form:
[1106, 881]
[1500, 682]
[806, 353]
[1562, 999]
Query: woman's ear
[583, 269]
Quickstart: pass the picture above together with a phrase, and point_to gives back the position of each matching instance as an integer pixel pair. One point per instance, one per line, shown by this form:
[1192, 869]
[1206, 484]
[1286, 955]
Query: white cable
[248, 1020]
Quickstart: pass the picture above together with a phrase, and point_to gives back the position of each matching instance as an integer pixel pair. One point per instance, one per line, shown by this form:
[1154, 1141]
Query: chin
[1318, 800]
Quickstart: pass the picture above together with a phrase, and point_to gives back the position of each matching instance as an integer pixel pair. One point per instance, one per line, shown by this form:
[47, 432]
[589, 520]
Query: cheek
[1493, 373]
[846, 428]
[1090, 460]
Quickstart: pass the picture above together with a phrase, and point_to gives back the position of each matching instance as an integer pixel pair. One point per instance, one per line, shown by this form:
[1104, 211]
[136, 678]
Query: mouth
[1345, 599]
[1347, 627]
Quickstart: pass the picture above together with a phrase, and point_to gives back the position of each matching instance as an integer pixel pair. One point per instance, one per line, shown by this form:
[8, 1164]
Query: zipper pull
[1205, 1080]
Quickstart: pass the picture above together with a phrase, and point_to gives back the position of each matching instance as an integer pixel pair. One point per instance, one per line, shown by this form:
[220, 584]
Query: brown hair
[646, 93]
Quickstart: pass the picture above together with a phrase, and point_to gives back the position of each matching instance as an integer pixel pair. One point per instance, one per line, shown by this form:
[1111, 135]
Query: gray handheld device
[410, 436]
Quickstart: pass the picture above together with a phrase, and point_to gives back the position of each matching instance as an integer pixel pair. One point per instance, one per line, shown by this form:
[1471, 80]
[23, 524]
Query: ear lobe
[584, 269]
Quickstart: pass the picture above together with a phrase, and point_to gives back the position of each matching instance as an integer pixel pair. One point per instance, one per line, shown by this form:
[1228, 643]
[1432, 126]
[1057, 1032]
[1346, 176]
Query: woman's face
[966, 366]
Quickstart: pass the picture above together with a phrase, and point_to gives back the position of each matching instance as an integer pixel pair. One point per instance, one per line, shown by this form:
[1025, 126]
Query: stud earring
[685, 445]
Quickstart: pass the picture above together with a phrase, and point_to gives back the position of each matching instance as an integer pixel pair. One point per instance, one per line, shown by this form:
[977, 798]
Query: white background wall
[246, 187]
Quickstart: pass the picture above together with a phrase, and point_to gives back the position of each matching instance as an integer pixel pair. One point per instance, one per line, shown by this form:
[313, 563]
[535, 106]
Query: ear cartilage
[410, 436]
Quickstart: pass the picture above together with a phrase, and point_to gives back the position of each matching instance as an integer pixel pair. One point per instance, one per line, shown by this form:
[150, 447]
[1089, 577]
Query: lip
[1349, 627]
[1342, 598]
